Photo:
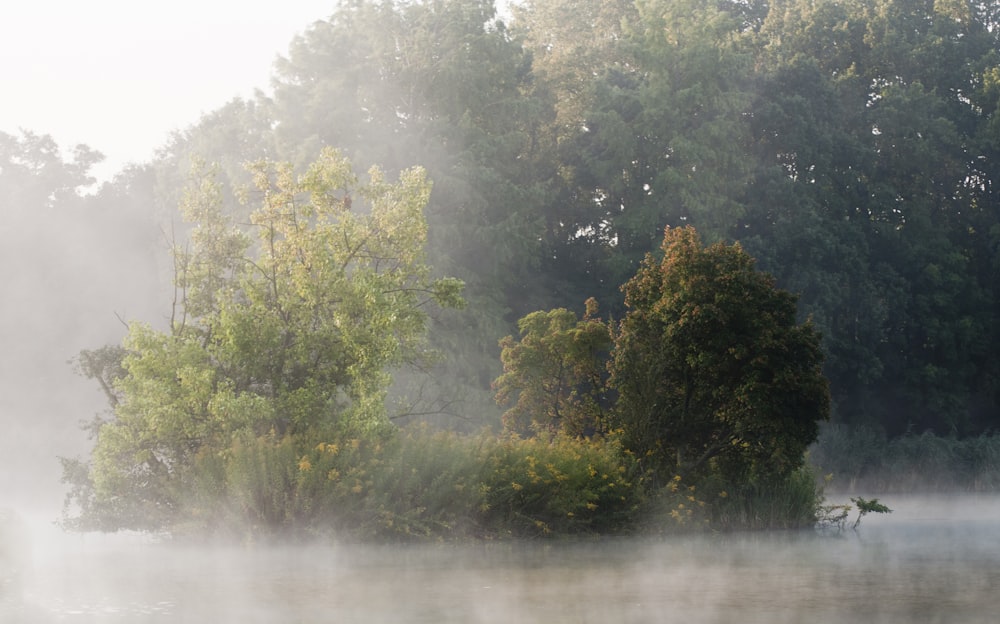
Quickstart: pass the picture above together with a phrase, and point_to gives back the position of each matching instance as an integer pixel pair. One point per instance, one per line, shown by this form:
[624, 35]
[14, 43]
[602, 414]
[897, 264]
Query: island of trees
[618, 266]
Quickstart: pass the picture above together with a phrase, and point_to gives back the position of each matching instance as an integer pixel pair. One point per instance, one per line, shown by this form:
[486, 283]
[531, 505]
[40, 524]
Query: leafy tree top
[711, 365]
[288, 324]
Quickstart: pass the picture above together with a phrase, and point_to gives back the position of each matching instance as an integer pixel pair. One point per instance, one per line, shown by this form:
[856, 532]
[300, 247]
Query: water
[932, 560]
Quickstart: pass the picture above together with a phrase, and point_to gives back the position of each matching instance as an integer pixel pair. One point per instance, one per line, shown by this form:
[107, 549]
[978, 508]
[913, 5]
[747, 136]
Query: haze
[119, 76]
[782, 152]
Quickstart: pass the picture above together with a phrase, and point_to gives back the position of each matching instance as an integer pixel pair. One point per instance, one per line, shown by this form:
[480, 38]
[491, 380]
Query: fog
[71, 279]
[931, 560]
[108, 76]
[120, 77]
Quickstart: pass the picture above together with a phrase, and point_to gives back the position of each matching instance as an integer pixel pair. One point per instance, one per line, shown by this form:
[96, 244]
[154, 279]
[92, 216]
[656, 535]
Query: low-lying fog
[931, 560]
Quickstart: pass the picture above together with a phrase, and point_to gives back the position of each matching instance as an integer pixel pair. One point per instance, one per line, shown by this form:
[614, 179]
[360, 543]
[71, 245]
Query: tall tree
[34, 174]
[287, 325]
[662, 141]
[713, 371]
[867, 148]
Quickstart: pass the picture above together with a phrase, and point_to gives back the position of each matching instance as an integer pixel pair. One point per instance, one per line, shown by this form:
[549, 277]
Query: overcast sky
[120, 75]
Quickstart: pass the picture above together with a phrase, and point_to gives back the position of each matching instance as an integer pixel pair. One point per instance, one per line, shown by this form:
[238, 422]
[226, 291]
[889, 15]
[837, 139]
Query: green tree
[554, 375]
[286, 326]
[571, 43]
[444, 84]
[662, 141]
[713, 372]
[868, 200]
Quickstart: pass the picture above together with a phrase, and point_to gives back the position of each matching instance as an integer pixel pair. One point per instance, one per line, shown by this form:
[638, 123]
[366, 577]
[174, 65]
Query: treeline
[263, 408]
[851, 147]
[862, 459]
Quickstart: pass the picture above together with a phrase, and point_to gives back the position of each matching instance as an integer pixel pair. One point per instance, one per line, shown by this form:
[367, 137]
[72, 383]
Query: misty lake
[931, 560]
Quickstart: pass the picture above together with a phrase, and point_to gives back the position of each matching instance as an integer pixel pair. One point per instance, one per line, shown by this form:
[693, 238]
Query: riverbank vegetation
[263, 408]
[865, 460]
[848, 148]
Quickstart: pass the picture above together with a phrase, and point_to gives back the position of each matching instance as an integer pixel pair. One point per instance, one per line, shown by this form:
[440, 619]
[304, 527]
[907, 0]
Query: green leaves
[554, 373]
[287, 325]
[713, 375]
[709, 364]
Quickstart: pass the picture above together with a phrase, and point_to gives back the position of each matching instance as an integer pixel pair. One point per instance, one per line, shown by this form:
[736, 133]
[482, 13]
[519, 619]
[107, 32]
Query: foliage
[787, 502]
[865, 507]
[835, 516]
[415, 484]
[832, 516]
[858, 460]
[851, 147]
[713, 504]
[554, 374]
[712, 370]
[445, 85]
[715, 382]
[558, 485]
[34, 176]
[289, 334]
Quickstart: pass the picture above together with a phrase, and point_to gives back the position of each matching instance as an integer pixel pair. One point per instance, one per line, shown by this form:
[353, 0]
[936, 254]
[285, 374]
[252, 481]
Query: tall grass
[417, 484]
[414, 485]
[712, 504]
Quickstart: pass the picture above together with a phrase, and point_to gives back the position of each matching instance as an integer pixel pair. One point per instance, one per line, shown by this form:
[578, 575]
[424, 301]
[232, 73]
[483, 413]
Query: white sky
[120, 75]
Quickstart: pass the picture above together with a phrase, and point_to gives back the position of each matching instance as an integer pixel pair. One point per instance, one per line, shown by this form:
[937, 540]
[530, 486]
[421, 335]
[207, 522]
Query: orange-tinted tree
[713, 371]
[555, 375]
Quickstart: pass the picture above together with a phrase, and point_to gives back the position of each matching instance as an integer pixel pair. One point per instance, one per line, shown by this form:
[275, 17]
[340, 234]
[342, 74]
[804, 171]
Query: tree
[713, 372]
[446, 85]
[286, 326]
[661, 138]
[872, 181]
[571, 43]
[554, 374]
[34, 175]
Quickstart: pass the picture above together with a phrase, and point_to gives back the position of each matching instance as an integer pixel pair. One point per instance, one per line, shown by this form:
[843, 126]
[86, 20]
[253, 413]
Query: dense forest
[849, 147]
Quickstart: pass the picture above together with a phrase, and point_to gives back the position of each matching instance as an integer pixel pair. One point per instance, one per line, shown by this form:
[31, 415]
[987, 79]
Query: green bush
[414, 484]
[556, 485]
[787, 503]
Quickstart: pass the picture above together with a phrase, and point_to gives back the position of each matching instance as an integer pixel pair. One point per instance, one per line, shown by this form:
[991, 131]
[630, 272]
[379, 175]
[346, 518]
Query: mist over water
[931, 560]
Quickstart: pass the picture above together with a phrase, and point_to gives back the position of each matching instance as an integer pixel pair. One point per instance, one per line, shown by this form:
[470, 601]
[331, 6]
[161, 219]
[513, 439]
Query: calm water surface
[932, 560]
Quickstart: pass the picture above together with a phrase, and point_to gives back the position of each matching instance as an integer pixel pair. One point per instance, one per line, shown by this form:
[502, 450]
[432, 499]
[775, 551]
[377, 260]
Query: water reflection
[930, 561]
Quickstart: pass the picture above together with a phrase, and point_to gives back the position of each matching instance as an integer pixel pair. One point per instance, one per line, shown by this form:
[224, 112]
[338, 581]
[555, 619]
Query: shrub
[556, 485]
[414, 484]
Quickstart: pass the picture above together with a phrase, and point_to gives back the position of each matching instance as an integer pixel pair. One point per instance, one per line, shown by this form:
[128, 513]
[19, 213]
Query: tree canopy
[850, 147]
[287, 325]
[555, 373]
[711, 366]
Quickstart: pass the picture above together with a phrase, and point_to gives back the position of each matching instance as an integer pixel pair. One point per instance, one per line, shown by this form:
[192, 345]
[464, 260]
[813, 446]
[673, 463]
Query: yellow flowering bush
[419, 484]
[556, 484]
